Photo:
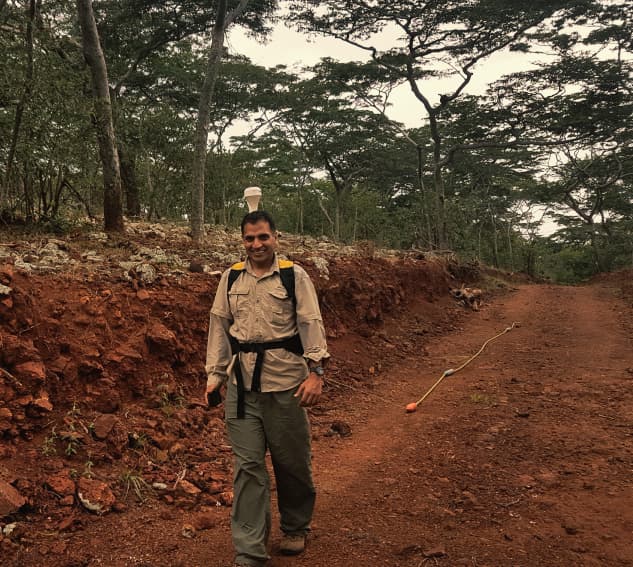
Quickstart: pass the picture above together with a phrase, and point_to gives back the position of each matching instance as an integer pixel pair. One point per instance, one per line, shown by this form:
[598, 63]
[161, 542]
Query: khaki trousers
[273, 421]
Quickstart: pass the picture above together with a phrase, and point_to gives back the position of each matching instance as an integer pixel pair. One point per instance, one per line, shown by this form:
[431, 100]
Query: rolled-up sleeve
[309, 320]
[218, 347]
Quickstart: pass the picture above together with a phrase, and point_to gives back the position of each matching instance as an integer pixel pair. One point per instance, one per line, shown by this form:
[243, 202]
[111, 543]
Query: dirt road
[524, 458]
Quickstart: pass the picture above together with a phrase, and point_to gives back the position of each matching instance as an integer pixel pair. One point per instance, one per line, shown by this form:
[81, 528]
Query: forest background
[114, 110]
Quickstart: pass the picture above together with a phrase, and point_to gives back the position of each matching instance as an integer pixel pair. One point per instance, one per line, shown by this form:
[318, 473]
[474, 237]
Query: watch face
[318, 370]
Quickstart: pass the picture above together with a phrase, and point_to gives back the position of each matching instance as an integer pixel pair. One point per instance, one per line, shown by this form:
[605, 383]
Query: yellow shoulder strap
[238, 266]
[285, 264]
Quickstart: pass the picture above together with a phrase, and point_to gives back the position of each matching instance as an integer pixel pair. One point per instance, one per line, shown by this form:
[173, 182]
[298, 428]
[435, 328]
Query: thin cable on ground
[414, 405]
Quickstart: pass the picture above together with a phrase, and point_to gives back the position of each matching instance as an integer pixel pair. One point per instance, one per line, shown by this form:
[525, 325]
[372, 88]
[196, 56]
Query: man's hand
[310, 390]
[213, 396]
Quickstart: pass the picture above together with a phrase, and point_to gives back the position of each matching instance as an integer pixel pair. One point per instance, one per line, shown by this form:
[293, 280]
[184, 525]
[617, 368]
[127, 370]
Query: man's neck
[260, 270]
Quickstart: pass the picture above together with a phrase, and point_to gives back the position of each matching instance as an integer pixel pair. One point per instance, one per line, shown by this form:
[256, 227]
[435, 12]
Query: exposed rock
[341, 427]
[143, 294]
[89, 368]
[188, 531]
[95, 496]
[204, 520]
[176, 449]
[101, 237]
[26, 267]
[160, 337]
[92, 256]
[24, 401]
[226, 498]
[42, 402]
[59, 364]
[438, 551]
[186, 487]
[124, 351]
[5, 290]
[6, 274]
[67, 500]
[321, 264]
[67, 522]
[10, 499]
[119, 507]
[144, 273]
[162, 440]
[30, 369]
[108, 402]
[61, 484]
[103, 425]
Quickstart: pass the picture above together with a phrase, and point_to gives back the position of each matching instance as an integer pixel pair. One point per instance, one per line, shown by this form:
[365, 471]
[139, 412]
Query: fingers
[308, 395]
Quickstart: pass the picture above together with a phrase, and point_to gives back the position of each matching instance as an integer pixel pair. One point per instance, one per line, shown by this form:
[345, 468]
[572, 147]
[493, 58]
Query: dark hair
[256, 216]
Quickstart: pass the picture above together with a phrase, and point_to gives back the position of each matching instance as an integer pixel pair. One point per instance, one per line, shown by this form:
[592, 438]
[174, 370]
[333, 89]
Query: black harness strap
[292, 344]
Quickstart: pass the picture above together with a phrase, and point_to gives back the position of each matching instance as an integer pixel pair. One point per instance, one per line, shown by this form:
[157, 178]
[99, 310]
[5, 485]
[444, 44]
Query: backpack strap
[287, 275]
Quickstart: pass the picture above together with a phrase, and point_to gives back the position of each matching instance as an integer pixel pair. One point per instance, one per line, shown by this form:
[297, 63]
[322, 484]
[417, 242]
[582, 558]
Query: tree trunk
[423, 196]
[26, 94]
[102, 118]
[495, 244]
[480, 228]
[202, 128]
[150, 187]
[129, 184]
[59, 187]
[595, 248]
[222, 22]
[510, 250]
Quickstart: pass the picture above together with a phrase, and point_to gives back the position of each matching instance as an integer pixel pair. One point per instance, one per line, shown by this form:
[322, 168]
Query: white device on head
[252, 195]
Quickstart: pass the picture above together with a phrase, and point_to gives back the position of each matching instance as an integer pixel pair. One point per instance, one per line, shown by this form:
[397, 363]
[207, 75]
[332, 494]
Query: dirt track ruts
[523, 458]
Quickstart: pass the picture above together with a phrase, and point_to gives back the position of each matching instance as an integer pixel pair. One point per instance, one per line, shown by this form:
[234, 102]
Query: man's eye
[260, 237]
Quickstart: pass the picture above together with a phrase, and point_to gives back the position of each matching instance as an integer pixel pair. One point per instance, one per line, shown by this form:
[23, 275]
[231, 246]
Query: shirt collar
[273, 269]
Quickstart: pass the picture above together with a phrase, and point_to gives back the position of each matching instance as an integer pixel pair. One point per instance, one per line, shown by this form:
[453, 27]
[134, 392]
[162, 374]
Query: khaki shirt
[258, 309]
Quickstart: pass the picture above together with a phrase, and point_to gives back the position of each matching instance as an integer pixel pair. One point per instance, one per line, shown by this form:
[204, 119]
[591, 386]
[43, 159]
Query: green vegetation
[169, 400]
[133, 480]
[479, 174]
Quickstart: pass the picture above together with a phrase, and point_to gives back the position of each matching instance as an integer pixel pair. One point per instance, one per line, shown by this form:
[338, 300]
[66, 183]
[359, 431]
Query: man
[253, 343]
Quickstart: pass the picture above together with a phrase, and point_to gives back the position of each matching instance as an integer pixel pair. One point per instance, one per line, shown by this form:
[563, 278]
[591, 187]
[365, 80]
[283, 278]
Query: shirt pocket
[238, 302]
[281, 306]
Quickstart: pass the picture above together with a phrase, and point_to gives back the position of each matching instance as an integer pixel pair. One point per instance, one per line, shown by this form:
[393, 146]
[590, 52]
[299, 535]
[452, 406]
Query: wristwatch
[318, 370]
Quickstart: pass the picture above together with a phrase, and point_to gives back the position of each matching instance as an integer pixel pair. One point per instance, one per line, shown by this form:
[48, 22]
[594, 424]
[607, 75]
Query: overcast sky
[287, 47]
[295, 50]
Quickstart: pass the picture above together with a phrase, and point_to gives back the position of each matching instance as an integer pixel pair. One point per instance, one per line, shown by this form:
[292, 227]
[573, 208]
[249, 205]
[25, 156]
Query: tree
[32, 15]
[223, 20]
[586, 96]
[104, 126]
[435, 39]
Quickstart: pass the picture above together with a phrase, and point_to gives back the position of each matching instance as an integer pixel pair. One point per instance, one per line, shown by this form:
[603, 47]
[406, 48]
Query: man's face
[259, 242]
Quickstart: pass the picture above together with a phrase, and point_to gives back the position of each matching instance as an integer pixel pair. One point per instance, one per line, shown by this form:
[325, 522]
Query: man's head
[259, 238]
[256, 216]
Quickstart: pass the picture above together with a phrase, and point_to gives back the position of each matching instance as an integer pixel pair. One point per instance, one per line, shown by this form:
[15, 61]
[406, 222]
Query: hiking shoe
[292, 544]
